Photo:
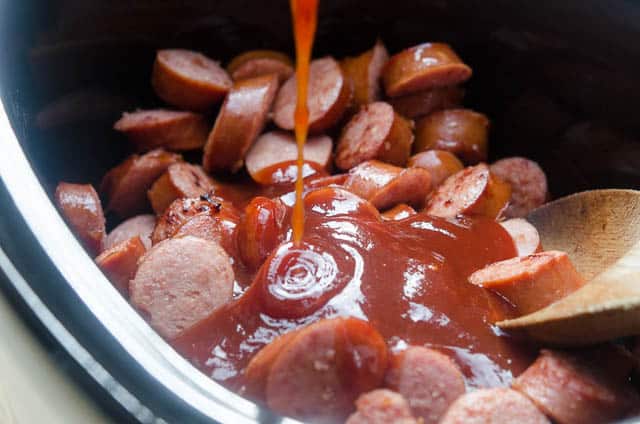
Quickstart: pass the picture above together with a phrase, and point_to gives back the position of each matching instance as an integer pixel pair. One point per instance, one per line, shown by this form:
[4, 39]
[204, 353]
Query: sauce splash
[305, 16]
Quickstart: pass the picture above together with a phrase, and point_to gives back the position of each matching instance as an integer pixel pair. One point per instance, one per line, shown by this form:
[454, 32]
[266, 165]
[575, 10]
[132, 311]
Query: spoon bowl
[600, 231]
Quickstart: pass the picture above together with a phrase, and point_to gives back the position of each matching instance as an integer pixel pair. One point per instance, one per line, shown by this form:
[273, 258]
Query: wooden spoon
[600, 230]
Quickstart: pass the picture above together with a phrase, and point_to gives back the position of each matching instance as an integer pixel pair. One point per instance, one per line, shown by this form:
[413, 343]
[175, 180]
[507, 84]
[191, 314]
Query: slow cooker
[558, 80]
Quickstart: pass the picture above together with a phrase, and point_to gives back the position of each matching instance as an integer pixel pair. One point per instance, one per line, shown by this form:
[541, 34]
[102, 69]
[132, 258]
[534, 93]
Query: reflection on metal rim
[135, 336]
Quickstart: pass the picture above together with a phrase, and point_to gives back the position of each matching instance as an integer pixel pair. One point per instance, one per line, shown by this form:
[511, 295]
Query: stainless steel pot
[558, 80]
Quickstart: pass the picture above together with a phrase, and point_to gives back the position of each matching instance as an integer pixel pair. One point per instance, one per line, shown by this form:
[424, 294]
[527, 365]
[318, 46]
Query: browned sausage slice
[328, 97]
[189, 80]
[331, 180]
[472, 191]
[440, 164]
[80, 206]
[571, 390]
[364, 72]
[173, 130]
[141, 225]
[120, 262]
[386, 185]
[126, 185]
[524, 235]
[338, 201]
[463, 132]
[376, 132]
[181, 281]
[327, 365]
[532, 282]
[493, 406]
[220, 228]
[261, 230]
[423, 67]
[278, 147]
[381, 406]
[528, 185]
[256, 63]
[429, 380]
[398, 212]
[181, 210]
[425, 102]
[181, 180]
[240, 120]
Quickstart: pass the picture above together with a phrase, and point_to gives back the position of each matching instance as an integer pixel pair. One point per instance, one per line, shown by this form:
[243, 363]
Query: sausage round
[278, 147]
[528, 185]
[386, 185]
[189, 80]
[429, 380]
[375, 132]
[425, 102]
[328, 96]
[571, 390]
[81, 208]
[524, 235]
[463, 132]
[261, 230]
[423, 67]
[364, 72]
[174, 130]
[340, 202]
[179, 181]
[120, 262]
[398, 212]
[440, 164]
[240, 120]
[181, 281]
[493, 406]
[324, 368]
[126, 185]
[256, 63]
[472, 191]
[141, 225]
[532, 282]
[381, 406]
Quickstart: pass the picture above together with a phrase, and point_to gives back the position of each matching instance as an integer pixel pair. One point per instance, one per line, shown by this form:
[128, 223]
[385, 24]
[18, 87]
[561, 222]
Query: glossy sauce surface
[408, 278]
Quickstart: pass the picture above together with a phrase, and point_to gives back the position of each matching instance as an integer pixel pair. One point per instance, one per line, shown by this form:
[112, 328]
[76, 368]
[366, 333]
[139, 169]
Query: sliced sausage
[141, 225]
[328, 96]
[257, 371]
[425, 102]
[240, 120]
[278, 146]
[423, 67]
[126, 185]
[386, 185]
[331, 180]
[472, 191]
[571, 390]
[323, 370]
[181, 281]
[463, 132]
[189, 80]
[180, 180]
[261, 230]
[183, 210]
[375, 132]
[80, 206]
[429, 380]
[220, 227]
[532, 282]
[381, 406]
[256, 63]
[493, 406]
[120, 262]
[528, 185]
[173, 130]
[364, 72]
[337, 201]
[440, 164]
[524, 235]
[398, 212]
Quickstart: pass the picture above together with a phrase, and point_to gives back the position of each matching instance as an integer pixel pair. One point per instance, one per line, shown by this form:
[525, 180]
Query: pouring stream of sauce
[305, 14]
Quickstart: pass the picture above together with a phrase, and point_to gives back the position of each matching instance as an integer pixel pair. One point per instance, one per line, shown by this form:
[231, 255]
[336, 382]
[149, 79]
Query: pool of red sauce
[408, 278]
